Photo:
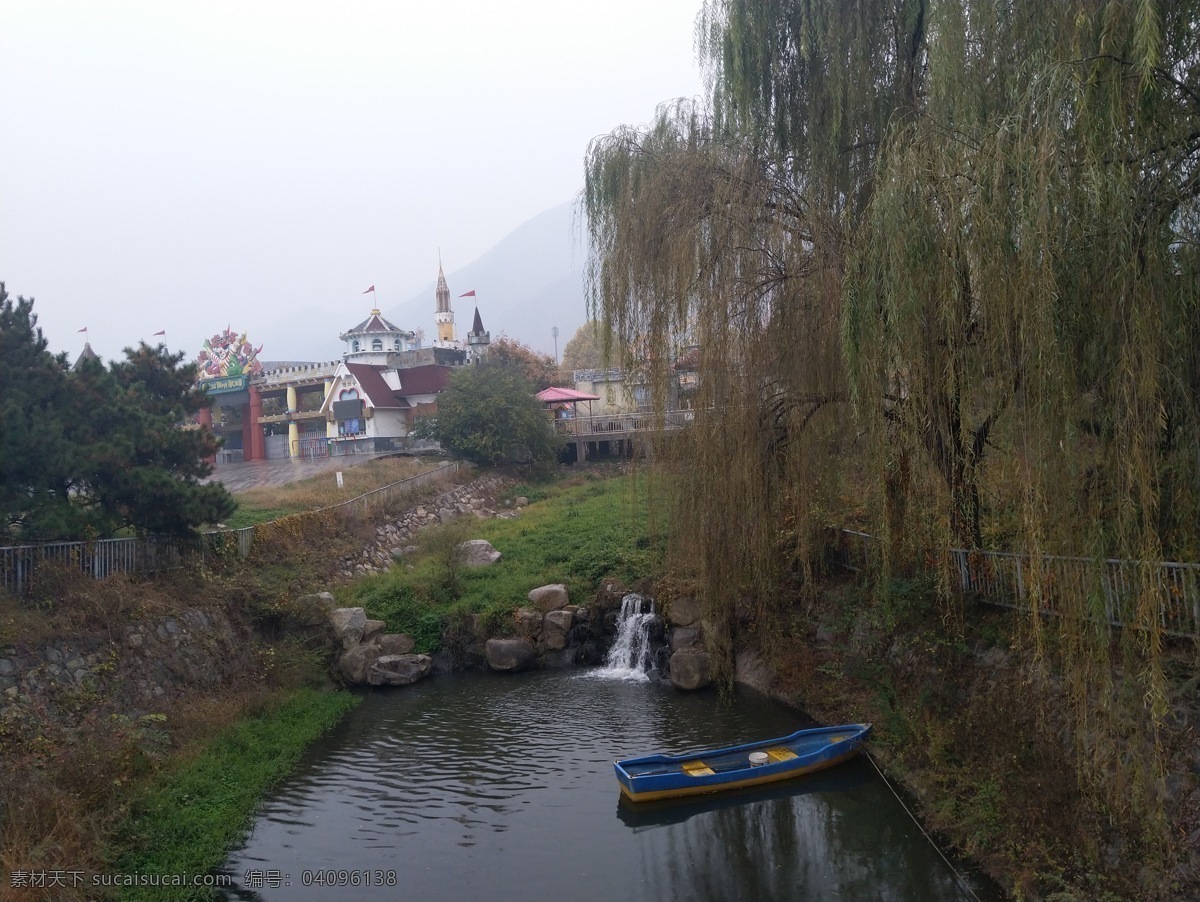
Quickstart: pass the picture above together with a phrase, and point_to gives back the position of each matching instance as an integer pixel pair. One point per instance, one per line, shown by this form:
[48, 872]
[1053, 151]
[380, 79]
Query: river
[500, 787]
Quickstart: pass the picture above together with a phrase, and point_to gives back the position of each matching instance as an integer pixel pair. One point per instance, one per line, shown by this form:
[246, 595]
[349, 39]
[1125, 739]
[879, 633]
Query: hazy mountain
[531, 281]
[528, 283]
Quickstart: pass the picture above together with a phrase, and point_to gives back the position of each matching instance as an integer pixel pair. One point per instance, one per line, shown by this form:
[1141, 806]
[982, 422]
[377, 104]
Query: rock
[685, 637]
[348, 625]
[312, 609]
[399, 670]
[480, 553]
[373, 628]
[521, 501]
[690, 669]
[751, 670]
[395, 644]
[355, 664]
[508, 655]
[529, 623]
[549, 598]
[555, 627]
[684, 611]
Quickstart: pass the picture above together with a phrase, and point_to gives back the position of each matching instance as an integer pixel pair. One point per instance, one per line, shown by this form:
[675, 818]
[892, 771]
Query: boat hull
[653, 777]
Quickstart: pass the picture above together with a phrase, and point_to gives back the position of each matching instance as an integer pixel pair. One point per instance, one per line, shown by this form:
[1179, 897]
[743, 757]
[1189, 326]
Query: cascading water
[631, 655]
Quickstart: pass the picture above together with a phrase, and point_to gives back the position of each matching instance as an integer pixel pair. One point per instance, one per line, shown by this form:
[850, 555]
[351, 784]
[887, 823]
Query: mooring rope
[962, 881]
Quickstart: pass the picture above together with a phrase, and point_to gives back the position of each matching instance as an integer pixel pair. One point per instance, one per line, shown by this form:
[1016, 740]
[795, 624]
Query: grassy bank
[264, 504]
[577, 531]
[972, 724]
[186, 818]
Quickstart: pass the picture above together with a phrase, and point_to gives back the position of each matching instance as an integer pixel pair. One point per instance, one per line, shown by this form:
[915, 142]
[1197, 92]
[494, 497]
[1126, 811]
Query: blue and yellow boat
[737, 767]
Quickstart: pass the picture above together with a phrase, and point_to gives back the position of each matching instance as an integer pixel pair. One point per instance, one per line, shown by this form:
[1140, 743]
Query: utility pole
[554, 332]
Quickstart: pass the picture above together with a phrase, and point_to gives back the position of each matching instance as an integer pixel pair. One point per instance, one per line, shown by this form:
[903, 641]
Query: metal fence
[618, 424]
[1111, 588]
[104, 557]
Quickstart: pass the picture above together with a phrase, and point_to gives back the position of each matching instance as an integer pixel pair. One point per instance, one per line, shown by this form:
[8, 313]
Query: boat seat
[780, 754]
[697, 769]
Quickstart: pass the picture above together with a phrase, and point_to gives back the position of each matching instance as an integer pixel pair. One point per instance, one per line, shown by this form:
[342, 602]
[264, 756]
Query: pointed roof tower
[443, 291]
[86, 354]
[444, 317]
[477, 339]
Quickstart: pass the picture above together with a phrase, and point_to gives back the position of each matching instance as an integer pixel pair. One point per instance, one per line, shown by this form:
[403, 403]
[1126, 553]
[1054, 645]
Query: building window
[348, 394]
[377, 344]
[354, 346]
[397, 344]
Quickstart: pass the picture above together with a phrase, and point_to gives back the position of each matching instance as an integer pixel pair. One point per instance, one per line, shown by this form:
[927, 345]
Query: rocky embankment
[395, 538]
[547, 630]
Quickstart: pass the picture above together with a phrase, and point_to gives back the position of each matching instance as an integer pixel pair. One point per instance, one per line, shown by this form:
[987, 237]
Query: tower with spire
[444, 317]
[477, 339]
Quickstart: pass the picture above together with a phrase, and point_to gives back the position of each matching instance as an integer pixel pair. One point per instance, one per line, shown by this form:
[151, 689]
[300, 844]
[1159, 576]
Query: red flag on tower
[370, 290]
[162, 332]
[84, 329]
[468, 294]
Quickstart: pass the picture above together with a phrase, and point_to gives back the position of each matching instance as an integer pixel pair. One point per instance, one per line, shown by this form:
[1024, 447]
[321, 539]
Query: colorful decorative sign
[228, 354]
[225, 384]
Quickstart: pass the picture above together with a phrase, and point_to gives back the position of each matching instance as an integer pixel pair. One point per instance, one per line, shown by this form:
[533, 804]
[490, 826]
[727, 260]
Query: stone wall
[394, 538]
[144, 664]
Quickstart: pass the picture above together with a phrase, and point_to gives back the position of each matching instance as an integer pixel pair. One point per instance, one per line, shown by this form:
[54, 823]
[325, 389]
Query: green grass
[577, 535]
[248, 516]
[185, 822]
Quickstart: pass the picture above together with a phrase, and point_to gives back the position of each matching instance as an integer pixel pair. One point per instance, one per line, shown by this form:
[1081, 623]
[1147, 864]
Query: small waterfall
[630, 657]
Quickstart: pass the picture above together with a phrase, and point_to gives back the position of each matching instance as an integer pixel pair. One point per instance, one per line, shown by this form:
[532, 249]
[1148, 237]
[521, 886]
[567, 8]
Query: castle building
[367, 402]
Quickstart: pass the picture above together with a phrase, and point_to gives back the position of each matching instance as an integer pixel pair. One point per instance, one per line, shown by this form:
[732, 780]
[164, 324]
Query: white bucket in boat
[758, 759]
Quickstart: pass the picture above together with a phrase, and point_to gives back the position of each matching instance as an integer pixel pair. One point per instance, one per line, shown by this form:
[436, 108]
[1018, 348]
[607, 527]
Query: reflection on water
[502, 787]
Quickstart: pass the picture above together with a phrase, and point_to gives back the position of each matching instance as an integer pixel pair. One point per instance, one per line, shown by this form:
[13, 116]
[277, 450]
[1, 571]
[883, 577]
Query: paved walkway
[254, 474]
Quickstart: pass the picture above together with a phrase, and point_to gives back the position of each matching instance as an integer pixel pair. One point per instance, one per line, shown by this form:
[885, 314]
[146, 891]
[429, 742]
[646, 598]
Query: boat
[739, 766]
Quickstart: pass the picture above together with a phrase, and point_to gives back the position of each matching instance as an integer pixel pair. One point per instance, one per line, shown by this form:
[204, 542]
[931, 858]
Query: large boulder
[373, 628]
[684, 611]
[395, 643]
[479, 553]
[686, 637]
[549, 598]
[399, 670]
[312, 610]
[348, 625]
[355, 664]
[508, 655]
[690, 669]
[555, 628]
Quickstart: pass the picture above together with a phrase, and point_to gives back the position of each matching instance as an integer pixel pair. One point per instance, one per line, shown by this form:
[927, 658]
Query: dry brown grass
[322, 491]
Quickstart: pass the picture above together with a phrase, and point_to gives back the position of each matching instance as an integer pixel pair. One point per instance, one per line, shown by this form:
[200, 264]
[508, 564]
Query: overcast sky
[183, 165]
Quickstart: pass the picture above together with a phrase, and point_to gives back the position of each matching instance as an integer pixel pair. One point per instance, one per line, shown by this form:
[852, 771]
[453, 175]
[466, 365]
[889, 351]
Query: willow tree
[976, 224]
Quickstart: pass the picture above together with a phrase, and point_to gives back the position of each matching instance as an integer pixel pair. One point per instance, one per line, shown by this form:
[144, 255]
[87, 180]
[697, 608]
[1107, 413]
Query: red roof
[424, 380]
[554, 393]
[371, 380]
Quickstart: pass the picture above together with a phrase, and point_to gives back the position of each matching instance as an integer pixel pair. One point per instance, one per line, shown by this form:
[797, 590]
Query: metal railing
[361, 504]
[623, 423]
[1112, 587]
[145, 554]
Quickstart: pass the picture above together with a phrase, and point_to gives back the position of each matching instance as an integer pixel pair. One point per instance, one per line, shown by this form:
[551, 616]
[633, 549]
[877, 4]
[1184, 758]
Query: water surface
[501, 787]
